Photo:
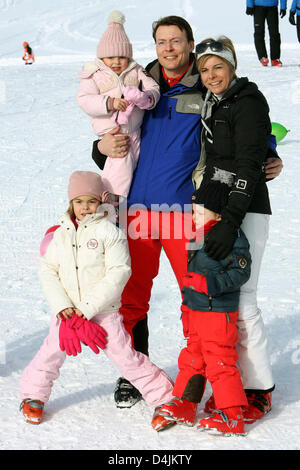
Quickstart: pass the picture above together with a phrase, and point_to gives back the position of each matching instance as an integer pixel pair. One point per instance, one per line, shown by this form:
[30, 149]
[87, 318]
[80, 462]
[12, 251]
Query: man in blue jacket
[262, 11]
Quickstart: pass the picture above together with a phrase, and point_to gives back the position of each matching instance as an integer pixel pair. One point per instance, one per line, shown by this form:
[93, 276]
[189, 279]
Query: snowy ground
[44, 137]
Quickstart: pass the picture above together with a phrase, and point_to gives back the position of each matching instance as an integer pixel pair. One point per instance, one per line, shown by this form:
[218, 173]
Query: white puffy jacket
[86, 268]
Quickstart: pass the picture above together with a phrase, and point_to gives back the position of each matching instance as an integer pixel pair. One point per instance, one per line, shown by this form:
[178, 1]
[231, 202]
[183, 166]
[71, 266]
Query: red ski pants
[211, 352]
[148, 232]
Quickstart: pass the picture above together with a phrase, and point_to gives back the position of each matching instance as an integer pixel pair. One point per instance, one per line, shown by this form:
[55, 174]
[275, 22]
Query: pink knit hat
[114, 41]
[86, 183]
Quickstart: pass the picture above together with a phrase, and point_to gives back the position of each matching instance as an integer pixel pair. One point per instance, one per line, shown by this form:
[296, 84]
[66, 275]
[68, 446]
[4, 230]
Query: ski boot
[264, 61]
[228, 422]
[125, 394]
[32, 410]
[276, 63]
[180, 410]
[259, 404]
[159, 422]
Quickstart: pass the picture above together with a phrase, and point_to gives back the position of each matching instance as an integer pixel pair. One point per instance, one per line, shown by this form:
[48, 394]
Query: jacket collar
[190, 80]
[66, 221]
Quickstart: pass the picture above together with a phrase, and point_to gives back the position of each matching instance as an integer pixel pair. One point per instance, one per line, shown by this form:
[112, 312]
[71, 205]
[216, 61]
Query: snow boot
[259, 404]
[264, 61]
[180, 410]
[125, 394]
[32, 410]
[228, 422]
[276, 63]
[159, 422]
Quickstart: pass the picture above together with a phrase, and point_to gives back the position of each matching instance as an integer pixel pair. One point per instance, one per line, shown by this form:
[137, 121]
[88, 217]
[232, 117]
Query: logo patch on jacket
[92, 244]
[242, 261]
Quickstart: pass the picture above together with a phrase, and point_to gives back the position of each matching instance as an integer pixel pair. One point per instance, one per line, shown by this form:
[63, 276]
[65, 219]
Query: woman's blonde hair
[227, 43]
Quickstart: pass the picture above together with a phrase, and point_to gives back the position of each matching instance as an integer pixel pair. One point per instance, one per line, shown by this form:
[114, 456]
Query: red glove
[89, 333]
[68, 340]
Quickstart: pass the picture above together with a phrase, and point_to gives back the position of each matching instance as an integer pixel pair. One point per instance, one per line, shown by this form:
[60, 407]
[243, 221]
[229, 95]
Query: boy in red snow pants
[209, 313]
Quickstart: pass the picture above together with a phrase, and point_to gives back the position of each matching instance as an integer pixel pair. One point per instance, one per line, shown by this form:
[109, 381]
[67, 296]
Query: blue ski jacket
[224, 278]
[170, 145]
[296, 6]
[267, 3]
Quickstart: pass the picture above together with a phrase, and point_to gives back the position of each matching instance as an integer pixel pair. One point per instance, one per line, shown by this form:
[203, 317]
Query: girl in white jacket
[83, 273]
[115, 90]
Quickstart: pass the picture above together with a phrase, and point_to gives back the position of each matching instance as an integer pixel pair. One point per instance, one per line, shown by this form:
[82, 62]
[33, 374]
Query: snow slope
[44, 137]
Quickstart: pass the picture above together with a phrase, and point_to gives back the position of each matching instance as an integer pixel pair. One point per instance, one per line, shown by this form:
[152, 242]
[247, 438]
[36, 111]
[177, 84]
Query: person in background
[295, 10]
[28, 56]
[266, 11]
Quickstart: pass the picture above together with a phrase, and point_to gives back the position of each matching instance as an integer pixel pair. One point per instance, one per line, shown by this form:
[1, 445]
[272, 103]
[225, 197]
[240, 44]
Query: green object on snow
[279, 131]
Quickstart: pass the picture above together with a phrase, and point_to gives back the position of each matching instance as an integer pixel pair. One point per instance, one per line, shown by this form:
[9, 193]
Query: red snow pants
[211, 352]
[147, 233]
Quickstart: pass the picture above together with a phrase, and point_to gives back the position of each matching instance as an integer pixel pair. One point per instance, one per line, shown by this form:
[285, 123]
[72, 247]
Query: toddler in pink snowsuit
[83, 272]
[115, 90]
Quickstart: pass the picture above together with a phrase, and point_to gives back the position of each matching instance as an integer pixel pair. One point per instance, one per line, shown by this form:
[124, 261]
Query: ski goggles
[215, 48]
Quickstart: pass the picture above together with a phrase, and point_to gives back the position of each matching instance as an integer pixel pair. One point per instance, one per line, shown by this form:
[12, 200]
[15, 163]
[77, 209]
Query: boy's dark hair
[178, 21]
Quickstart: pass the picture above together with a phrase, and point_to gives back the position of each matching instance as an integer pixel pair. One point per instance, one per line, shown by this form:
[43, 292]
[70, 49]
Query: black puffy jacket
[238, 143]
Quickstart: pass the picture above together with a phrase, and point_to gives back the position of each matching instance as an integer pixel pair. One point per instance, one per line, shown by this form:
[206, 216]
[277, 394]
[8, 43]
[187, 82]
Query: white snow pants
[254, 362]
[153, 383]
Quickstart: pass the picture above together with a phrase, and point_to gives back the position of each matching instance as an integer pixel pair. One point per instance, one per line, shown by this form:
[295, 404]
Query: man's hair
[178, 21]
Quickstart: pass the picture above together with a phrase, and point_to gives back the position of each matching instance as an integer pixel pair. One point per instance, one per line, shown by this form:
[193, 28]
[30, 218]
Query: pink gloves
[89, 333]
[68, 340]
[135, 97]
[122, 117]
[141, 99]
[77, 329]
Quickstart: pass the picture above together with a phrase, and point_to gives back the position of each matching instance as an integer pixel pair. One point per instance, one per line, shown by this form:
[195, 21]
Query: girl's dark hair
[182, 24]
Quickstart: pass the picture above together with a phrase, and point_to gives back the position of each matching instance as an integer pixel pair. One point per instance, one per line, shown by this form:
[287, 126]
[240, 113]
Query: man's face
[173, 50]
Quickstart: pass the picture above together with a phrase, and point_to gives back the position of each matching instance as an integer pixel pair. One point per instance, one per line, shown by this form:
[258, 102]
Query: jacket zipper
[170, 112]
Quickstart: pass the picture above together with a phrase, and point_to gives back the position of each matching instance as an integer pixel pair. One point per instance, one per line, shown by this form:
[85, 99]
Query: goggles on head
[215, 48]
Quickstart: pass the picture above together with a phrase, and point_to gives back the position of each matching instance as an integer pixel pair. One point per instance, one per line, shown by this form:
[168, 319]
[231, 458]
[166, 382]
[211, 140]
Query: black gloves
[282, 13]
[249, 11]
[292, 18]
[220, 239]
